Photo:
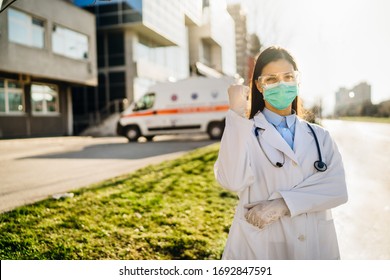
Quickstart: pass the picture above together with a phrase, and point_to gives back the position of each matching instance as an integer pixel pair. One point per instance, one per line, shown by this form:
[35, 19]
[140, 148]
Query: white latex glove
[266, 212]
[239, 99]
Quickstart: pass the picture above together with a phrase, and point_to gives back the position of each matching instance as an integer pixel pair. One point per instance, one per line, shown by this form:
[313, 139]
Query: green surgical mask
[281, 95]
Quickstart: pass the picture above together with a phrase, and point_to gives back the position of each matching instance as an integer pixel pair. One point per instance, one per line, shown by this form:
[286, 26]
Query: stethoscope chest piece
[320, 166]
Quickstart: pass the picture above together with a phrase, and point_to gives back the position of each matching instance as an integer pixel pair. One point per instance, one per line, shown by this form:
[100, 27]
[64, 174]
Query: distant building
[212, 43]
[349, 102]
[239, 18]
[47, 47]
[141, 42]
[253, 50]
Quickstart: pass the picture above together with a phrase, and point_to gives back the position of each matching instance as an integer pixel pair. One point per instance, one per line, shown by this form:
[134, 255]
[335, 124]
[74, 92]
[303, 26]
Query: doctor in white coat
[286, 179]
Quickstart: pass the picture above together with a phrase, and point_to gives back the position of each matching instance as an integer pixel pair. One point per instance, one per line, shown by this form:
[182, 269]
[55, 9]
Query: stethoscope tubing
[319, 165]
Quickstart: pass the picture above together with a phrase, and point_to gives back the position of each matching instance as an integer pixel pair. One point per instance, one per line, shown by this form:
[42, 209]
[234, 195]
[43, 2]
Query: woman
[268, 159]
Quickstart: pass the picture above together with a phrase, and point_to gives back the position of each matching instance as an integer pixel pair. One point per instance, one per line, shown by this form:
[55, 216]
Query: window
[25, 29]
[117, 85]
[103, 99]
[44, 99]
[116, 49]
[206, 53]
[145, 102]
[2, 97]
[101, 50]
[69, 43]
[11, 97]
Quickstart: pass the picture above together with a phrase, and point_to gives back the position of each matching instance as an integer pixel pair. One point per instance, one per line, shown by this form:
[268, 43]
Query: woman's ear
[259, 88]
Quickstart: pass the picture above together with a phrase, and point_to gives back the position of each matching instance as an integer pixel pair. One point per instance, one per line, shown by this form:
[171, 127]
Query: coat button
[301, 237]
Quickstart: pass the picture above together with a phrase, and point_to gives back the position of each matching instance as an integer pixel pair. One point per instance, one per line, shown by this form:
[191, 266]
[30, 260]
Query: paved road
[33, 169]
[363, 224]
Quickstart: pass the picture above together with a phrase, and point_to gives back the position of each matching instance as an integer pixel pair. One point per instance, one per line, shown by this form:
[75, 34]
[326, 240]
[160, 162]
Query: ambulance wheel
[215, 130]
[132, 133]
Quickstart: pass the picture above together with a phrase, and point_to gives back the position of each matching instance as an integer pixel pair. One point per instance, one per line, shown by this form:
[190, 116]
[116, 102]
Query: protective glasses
[273, 79]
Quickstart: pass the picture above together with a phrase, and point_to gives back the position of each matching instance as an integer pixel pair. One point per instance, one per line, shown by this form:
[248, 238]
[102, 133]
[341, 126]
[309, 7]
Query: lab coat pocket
[245, 242]
[327, 240]
[249, 227]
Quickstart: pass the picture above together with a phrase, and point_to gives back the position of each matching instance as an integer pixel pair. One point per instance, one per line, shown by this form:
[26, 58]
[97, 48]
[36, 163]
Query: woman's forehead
[277, 66]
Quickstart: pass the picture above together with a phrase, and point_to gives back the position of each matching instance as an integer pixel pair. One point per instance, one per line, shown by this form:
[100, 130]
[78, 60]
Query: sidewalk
[34, 169]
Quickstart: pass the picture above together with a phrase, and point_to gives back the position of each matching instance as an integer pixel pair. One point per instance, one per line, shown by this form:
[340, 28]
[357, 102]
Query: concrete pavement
[34, 169]
[363, 223]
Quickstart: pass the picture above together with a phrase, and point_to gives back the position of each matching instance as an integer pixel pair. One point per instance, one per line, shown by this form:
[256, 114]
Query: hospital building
[73, 68]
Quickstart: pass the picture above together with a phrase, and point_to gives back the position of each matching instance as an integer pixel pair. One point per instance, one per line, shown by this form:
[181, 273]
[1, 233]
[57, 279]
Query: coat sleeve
[322, 190]
[232, 168]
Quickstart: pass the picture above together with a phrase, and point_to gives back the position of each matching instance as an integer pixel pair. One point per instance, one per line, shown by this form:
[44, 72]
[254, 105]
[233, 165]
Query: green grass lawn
[174, 210]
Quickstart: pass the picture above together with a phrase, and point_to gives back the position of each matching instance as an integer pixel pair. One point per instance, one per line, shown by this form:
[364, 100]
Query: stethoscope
[319, 164]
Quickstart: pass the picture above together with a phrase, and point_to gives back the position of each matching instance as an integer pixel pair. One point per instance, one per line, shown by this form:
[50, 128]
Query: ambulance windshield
[145, 102]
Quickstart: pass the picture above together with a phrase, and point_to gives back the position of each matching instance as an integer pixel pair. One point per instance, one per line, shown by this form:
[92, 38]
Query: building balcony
[159, 21]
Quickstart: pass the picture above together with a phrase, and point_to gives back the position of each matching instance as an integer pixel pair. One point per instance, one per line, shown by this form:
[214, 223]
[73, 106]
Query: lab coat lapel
[272, 136]
[303, 138]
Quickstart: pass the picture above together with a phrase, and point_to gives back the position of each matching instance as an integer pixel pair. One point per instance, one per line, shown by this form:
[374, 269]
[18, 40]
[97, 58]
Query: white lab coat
[242, 166]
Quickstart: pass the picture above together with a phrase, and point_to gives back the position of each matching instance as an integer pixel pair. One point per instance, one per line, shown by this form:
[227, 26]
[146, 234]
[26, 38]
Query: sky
[336, 43]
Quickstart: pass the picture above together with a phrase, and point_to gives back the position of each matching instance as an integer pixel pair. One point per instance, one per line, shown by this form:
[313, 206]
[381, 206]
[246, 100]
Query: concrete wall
[17, 58]
[218, 30]
[193, 11]
[165, 18]
[42, 65]
[29, 125]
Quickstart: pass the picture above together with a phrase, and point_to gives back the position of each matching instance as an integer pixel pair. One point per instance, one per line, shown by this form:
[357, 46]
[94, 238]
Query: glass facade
[44, 99]
[111, 45]
[116, 49]
[11, 97]
[103, 97]
[101, 49]
[117, 85]
[25, 29]
[69, 43]
[114, 12]
[2, 98]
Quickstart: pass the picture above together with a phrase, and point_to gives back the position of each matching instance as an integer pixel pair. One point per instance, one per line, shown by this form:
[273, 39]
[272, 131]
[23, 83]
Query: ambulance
[193, 105]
